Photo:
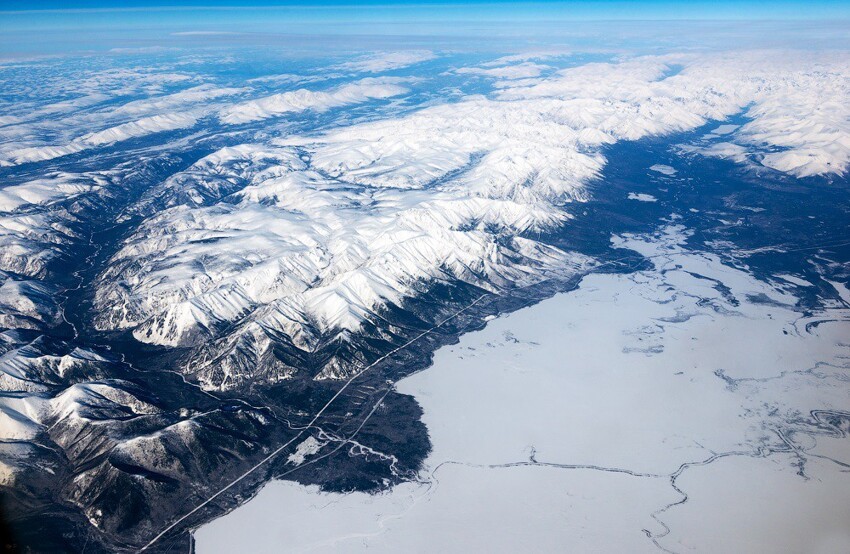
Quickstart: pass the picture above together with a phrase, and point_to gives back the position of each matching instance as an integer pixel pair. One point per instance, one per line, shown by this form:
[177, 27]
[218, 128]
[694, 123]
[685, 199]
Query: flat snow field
[656, 410]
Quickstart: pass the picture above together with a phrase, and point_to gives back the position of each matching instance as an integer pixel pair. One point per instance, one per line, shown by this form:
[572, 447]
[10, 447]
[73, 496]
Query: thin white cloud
[386, 61]
[204, 33]
[523, 70]
[143, 50]
[527, 56]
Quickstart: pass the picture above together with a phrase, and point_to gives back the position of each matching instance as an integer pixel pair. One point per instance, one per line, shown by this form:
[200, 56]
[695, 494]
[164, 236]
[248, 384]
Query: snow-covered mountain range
[192, 260]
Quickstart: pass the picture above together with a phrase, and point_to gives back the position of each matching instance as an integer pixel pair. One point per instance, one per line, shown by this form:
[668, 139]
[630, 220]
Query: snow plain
[615, 418]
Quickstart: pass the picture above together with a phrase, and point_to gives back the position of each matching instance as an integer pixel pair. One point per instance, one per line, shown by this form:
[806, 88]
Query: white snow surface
[663, 169]
[799, 281]
[559, 428]
[642, 197]
[724, 129]
[305, 448]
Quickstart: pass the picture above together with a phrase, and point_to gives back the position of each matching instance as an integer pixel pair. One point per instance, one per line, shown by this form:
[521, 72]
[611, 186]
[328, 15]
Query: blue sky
[577, 9]
[73, 25]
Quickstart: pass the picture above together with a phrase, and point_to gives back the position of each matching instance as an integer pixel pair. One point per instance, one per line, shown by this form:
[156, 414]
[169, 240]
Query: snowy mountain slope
[799, 119]
[42, 364]
[312, 236]
[44, 223]
[107, 446]
[289, 252]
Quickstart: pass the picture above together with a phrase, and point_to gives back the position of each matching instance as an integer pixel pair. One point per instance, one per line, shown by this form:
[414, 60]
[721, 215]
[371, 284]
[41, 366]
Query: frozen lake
[688, 407]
